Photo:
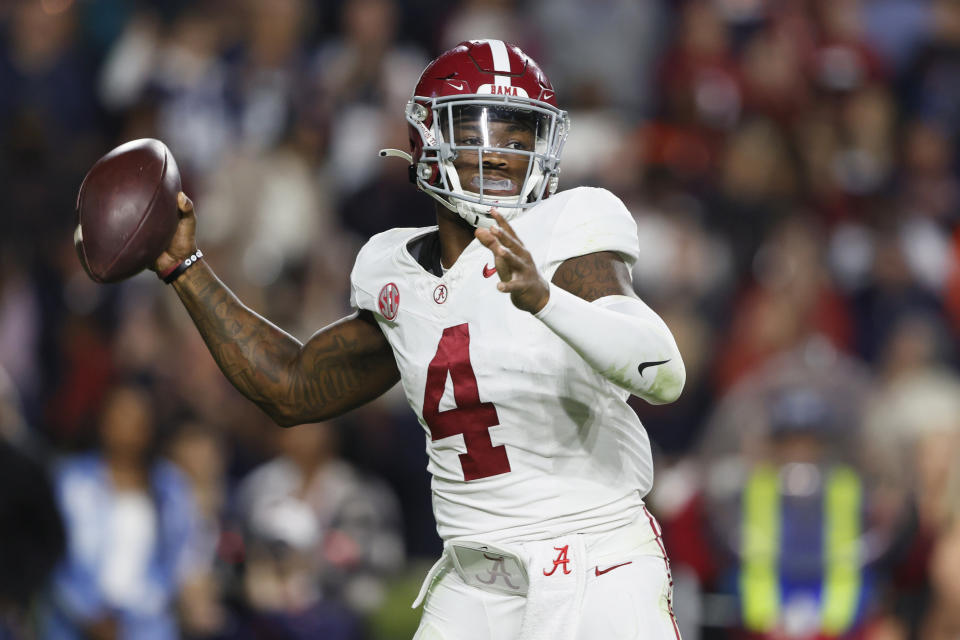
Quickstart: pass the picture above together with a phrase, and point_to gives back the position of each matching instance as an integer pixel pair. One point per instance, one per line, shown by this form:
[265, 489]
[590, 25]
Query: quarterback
[515, 332]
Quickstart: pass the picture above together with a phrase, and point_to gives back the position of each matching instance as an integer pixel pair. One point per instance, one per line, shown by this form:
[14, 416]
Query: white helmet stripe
[501, 60]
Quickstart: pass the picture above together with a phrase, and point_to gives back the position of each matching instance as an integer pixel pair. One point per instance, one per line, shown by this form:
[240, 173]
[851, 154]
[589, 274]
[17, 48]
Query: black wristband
[183, 266]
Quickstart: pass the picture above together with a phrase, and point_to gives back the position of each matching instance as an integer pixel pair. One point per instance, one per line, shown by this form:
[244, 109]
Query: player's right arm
[341, 367]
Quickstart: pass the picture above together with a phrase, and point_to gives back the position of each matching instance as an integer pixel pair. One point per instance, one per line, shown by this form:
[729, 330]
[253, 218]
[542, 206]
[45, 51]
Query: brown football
[127, 210]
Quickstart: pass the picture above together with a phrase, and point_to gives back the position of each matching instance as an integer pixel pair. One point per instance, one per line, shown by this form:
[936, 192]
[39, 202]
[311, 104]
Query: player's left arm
[591, 305]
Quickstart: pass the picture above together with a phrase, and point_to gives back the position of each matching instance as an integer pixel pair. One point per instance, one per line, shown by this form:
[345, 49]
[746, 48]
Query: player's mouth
[495, 186]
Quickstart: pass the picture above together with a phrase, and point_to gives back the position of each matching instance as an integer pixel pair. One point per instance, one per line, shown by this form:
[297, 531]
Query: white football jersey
[525, 440]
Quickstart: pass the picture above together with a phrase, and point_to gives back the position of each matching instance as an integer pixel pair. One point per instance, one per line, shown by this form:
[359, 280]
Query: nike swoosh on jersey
[487, 271]
[616, 566]
[644, 365]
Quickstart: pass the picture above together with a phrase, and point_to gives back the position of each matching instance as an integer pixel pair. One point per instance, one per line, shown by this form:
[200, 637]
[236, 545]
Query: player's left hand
[518, 274]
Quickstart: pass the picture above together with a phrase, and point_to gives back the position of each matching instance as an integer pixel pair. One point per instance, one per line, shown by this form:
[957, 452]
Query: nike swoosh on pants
[608, 569]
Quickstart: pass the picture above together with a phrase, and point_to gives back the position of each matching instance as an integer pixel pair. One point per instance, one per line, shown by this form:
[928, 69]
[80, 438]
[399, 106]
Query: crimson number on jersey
[471, 417]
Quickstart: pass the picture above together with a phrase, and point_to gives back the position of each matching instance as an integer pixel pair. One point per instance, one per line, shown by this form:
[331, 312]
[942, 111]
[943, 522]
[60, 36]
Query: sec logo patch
[389, 301]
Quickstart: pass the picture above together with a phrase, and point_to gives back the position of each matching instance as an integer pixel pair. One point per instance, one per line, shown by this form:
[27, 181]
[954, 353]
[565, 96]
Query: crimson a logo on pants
[561, 559]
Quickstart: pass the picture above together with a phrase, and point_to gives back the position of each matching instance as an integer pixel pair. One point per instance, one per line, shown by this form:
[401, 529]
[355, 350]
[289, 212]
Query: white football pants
[627, 596]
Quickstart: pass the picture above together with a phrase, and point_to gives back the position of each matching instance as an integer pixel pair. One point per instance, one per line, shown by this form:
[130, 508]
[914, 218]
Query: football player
[515, 331]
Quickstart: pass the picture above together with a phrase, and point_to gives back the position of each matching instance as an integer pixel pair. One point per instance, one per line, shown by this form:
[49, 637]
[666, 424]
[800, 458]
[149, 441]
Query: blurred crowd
[793, 169]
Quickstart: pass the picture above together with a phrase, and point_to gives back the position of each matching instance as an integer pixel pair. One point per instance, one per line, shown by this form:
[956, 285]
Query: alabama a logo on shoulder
[389, 301]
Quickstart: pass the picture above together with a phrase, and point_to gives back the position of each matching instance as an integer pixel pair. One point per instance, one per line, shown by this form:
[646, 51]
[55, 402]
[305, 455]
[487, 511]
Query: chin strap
[472, 217]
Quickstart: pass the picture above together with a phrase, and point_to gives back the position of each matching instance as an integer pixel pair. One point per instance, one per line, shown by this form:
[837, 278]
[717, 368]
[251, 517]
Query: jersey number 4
[471, 417]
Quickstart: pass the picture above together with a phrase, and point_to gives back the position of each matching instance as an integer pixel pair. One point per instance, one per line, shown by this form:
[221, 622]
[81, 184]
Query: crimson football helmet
[481, 107]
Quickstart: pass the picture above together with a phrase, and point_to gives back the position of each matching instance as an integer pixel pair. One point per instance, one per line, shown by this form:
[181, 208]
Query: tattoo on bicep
[336, 371]
[594, 276]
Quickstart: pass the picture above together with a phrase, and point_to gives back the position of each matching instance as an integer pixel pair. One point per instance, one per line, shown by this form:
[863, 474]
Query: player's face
[500, 172]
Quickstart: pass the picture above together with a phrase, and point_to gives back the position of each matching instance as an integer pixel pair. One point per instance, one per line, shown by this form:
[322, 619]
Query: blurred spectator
[49, 119]
[132, 532]
[863, 163]
[804, 529]
[929, 181]
[179, 71]
[699, 77]
[896, 28]
[685, 259]
[616, 74]
[891, 295]
[926, 92]
[843, 60]
[199, 453]
[951, 292]
[365, 77]
[32, 539]
[42, 71]
[941, 615]
[474, 19]
[84, 371]
[282, 594]
[802, 408]
[346, 525]
[757, 181]
[792, 300]
[771, 62]
[801, 562]
[19, 327]
[264, 211]
[379, 437]
[914, 443]
[264, 83]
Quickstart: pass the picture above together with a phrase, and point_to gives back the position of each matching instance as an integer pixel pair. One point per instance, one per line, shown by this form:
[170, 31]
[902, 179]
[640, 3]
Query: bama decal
[502, 90]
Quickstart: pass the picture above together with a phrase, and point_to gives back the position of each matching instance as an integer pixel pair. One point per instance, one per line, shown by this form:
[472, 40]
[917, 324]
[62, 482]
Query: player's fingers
[501, 252]
[518, 257]
[502, 256]
[494, 246]
[509, 257]
[505, 232]
[507, 238]
[185, 204]
[486, 238]
[504, 225]
[500, 219]
[509, 286]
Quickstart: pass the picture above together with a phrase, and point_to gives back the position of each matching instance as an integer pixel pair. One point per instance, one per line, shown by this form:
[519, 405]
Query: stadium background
[793, 168]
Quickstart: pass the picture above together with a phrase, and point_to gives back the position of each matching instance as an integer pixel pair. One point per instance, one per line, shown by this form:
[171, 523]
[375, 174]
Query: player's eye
[518, 144]
[470, 141]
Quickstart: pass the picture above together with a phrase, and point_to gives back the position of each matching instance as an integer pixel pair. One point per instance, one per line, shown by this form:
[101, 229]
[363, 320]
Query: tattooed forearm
[341, 366]
[594, 275]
